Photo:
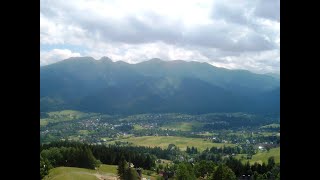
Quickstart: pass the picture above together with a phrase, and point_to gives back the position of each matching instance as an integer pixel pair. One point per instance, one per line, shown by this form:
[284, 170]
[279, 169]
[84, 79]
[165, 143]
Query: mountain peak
[81, 58]
[155, 60]
[105, 58]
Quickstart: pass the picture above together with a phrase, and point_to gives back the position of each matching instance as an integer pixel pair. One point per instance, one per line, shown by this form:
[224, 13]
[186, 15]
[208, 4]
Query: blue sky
[234, 34]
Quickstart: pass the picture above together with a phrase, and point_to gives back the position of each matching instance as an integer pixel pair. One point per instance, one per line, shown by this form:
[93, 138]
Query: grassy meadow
[182, 126]
[261, 157]
[107, 172]
[65, 115]
[164, 141]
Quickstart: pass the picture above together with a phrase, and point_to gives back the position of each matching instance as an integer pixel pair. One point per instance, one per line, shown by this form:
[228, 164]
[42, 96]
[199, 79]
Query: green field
[182, 126]
[164, 141]
[261, 157]
[207, 134]
[108, 168]
[83, 132]
[271, 126]
[108, 172]
[65, 115]
[138, 127]
[67, 173]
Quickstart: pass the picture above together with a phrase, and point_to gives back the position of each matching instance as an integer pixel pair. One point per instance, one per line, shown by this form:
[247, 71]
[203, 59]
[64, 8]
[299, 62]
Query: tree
[86, 159]
[257, 176]
[236, 166]
[131, 174]
[122, 166]
[171, 147]
[185, 172]
[188, 150]
[278, 176]
[203, 168]
[264, 168]
[276, 171]
[148, 162]
[247, 169]
[53, 155]
[271, 163]
[223, 172]
[45, 166]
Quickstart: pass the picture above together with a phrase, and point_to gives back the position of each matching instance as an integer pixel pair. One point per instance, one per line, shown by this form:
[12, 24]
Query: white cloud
[258, 62]
[229, 33]
[55, 55]
[141, 52]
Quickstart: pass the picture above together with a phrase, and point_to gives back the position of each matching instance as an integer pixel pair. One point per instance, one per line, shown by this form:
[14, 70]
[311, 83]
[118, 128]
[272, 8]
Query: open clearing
[164, 141]
[105, 172]
[261, 157]
[65, 115]
[182, 126]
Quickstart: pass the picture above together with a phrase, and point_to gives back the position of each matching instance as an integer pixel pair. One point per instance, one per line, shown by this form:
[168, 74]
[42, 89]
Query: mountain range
[154, 86]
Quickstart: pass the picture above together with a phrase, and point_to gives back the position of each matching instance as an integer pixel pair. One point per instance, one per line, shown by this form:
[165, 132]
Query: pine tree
[223, 172]
[271, 163]
[45, 166]
[185, 172]
[122, 166]
[131, 174]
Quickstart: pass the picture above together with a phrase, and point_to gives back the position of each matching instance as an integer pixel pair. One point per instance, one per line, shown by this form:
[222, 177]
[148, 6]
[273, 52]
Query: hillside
[104, 86]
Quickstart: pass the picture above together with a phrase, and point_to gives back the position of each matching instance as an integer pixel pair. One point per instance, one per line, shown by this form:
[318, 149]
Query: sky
[234, 34]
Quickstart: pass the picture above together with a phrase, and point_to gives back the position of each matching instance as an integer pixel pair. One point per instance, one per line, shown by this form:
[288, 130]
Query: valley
[157, 119]
[173, 138]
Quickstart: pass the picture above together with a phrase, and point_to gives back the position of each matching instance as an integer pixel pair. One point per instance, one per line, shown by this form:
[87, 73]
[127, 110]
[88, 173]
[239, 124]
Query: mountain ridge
[83, 83]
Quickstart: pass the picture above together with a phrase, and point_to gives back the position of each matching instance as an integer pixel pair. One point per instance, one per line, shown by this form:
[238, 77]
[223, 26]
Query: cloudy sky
[234, 34]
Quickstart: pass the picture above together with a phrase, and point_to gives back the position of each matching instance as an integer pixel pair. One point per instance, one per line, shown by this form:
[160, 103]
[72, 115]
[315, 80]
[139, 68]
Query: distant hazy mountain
[277, 76]
[86, 84]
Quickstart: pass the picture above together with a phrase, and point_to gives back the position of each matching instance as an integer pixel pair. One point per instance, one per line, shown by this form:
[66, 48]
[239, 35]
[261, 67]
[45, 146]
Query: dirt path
[105, 177]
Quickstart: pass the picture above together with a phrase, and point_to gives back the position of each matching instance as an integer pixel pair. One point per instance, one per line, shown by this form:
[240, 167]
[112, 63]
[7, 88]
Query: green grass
[65, 115]
[104, 168]
[73, 138]
[164, 141]
[70, 173]
[105, 138]
[138, 127]
[261, 157]
[43, 122]
[73, 173]
[268, 133]
[207, 134]
[83, 132]
[182, 126]
[104, 171]
[274, 125]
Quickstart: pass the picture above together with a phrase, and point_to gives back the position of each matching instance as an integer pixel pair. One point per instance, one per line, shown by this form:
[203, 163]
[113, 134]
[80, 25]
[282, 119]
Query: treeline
[228, 169]
[209, 164]
[104, 153]
[76, 154]
[216, 154]
[161, 132]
